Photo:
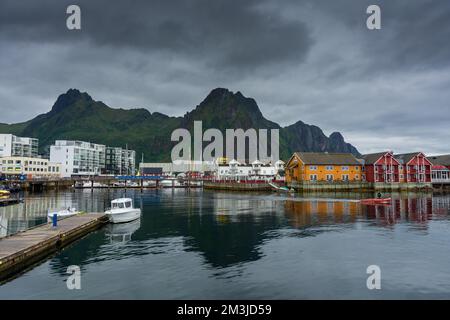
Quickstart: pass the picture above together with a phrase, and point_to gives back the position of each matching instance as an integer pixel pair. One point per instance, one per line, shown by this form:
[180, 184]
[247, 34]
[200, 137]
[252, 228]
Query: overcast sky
[313, 61]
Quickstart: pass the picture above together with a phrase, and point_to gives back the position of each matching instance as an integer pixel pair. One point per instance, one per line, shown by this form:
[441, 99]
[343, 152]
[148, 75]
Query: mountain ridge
[76, 115]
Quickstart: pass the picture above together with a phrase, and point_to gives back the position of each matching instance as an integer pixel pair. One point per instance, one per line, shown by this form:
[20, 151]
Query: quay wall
[236, 186]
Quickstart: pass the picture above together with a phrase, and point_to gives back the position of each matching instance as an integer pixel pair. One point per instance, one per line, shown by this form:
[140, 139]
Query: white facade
[13, 146]
[78, 157]
[257, 170]
[120, 161]
[440, 175]
[34, 167]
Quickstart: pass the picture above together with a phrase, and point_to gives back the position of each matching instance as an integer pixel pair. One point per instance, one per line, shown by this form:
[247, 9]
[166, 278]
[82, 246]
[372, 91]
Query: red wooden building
[415, 167]
[380, 167]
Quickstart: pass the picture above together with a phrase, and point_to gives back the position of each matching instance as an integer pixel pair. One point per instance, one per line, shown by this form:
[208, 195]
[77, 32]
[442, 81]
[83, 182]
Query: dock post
[55, 220]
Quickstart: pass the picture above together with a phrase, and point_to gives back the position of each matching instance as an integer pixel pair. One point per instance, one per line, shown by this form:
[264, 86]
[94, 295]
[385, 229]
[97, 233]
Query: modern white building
[78, 157]
[32, 167]
[13, 146]
[257, 170]
[120, 161]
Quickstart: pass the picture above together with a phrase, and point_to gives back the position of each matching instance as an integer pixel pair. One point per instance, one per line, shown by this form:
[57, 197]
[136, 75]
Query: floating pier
[21, 250]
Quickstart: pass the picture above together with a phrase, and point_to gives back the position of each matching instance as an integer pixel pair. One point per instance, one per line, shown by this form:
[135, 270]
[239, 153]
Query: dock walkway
[23, 249]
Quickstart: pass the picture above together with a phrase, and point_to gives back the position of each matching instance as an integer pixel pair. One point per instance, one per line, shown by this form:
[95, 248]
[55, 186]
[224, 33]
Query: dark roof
[443, 160]
[371, 158]
[327, 158]
[404, 158]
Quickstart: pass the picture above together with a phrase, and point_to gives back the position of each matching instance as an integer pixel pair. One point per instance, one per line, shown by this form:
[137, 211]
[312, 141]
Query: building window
[345, 177]
[329, 177]
[329, 168]
[344, 168]
[312, 167]
[313, 177]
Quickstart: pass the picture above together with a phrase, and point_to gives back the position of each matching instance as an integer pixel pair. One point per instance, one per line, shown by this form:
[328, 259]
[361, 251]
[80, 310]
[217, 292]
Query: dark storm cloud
[310, 60]
[227, 33]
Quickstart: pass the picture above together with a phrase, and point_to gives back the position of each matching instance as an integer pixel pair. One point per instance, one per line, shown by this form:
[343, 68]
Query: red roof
[439, 168]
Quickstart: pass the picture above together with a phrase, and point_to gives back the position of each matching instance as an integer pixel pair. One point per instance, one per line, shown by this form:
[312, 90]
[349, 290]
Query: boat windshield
[128, 204]
[118, 205]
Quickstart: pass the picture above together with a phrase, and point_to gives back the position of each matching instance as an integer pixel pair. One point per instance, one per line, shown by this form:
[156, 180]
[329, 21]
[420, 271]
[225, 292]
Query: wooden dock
[21, 250]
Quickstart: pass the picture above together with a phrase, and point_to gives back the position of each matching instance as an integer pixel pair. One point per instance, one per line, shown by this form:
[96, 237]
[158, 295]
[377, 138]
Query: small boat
[278, 188]
[122, 210]
[170, 183]
[5, 193]
[62, 214]
[375, 201]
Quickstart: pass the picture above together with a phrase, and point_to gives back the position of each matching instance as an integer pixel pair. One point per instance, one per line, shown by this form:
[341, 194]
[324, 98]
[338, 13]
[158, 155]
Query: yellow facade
[29, 166]
[297, 170]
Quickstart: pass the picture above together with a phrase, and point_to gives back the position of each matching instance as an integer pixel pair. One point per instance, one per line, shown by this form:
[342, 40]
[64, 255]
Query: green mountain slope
[75, 115]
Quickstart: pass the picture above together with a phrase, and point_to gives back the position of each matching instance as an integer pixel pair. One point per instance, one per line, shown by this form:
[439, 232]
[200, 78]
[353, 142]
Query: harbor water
[199, 244]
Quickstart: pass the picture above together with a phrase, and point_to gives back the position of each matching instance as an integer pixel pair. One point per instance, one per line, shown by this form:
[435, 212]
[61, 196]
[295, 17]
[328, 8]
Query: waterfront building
[414, 167]
[78, 158]
[440, 171]
[13, 146]
[381, 167]
[323, 166]
[257, 170]
[31, 167]
[119, 161]
[443, 160]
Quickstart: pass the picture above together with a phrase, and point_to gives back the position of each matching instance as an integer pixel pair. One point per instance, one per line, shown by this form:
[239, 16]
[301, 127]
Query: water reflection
[227, 232]
[120, 234]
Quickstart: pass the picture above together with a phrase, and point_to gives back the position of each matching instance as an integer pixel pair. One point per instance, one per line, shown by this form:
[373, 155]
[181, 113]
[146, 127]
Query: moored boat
[375, 201]
[122, 210]
[278, 188]
[62, 214]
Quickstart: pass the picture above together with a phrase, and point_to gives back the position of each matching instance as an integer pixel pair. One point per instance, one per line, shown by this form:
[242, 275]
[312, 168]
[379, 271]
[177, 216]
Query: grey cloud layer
[308, 60]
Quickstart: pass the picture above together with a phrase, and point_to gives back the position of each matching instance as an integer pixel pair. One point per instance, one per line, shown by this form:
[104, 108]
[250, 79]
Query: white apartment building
[13, 146]
[120, 161]
[32, 167]
[78, 157]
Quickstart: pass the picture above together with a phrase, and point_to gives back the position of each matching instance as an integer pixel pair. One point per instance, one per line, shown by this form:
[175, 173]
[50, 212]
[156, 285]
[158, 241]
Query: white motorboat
[170, 183]
[89, 184]
[62, 214]
[122, 210]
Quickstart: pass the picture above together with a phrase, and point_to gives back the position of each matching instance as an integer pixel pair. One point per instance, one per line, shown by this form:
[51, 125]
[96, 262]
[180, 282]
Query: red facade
[382, 167]
[417, 168]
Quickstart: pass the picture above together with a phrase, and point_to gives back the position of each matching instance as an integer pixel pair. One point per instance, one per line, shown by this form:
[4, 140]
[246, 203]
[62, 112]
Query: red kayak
[376, 201]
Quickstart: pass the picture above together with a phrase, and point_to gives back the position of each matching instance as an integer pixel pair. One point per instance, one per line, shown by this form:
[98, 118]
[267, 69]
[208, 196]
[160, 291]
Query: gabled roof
[404, 158]
[371, 158]
[443, 160]
[325, 158]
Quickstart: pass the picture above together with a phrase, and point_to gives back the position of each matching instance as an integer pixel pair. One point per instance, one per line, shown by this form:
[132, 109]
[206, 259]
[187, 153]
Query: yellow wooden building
[323, 166]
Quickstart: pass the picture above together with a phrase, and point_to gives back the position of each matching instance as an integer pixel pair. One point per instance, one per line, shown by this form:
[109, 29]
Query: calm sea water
[214, 245]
